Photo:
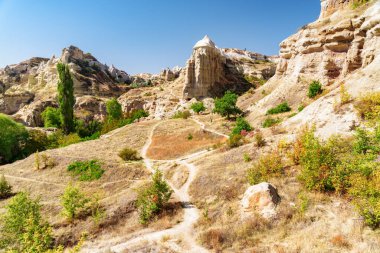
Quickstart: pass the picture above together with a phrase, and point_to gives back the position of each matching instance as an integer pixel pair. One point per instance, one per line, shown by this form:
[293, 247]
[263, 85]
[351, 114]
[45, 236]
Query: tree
[226, 106]
[13, 137]
[241, 124]
[198, 107]
[52, 117]
[152, 198]
[23, 229]
[5, 188]
[73, 202]
[66, 98]
[114, 111]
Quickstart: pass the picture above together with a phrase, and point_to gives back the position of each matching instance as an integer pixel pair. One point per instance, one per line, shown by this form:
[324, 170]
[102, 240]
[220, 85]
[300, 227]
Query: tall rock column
[204, 70]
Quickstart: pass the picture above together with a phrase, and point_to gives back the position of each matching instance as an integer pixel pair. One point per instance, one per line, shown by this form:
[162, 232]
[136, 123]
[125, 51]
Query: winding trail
[185, 229]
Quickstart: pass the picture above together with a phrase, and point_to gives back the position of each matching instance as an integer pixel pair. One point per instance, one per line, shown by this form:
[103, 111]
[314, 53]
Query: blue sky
[146, 35]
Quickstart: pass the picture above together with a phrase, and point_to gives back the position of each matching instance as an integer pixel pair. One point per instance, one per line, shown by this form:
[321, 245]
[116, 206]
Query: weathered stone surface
[331, 6]
[262, 199]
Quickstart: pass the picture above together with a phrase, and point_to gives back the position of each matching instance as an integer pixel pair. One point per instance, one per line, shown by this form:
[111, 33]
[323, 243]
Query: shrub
[37, 141]
[368, 106]
[269, 165]
[13, 137]
[138, 114]
[226, 106]
[315, 88]
[247, 158]
[198, 107]
[5, 188]
[300, 108]
[268, 122]
[235, 140]
[43, 161]
[86, 170]
[128, 154]
[152, 199]
[189, 137]
[181, 115]
[87, 129]
[59, 139]
[51, 117]
[114, 110]
[241, 124]
[344, 95]
[358, 3]
[23, 229]
[281, 108]
[259, 140]
[66, 98]
[74, 202]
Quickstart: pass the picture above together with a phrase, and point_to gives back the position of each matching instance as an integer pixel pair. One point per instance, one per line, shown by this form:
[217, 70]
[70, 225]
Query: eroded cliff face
[339, 48]
[27, 88]
[211, 71]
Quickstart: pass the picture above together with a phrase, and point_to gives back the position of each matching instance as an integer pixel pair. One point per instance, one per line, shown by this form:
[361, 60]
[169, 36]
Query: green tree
[152, 198]
[226, 106]
[13, 137]
[5, 188]
[198, 107]
[66, 97]
[73, 202]
[114, 111]
[52, 117]
[23, 229]
[241, 124]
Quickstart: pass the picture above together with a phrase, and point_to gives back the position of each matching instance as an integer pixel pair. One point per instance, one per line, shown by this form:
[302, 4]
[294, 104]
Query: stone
[260, 199]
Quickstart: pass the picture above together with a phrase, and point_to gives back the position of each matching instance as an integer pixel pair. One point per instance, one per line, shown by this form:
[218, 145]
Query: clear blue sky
[146, 35]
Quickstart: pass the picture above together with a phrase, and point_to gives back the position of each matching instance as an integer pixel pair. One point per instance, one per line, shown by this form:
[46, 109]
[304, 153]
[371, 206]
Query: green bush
[13, 138]
[74, 202]
[281, 108]
[128, 154]
[226, 106]
[198, 107]
[23, 229]
[269, 165]
[241, 124]
[5, 188]
[358, 3]
[87, 129]
[268, 122]
[315, 88]
[235, 140]
[37, 141]
[181, 115]
[86, 170]
[114, 110]
[368, 106]
[51, 117]
[152, 199]
[259, 140]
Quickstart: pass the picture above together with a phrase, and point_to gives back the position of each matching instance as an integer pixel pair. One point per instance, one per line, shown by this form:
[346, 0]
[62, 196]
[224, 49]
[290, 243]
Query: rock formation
[328, 7]
[211, 71]
[260, 198]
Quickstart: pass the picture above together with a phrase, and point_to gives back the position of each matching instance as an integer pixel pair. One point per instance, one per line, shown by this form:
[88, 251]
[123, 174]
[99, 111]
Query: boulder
[260, 199]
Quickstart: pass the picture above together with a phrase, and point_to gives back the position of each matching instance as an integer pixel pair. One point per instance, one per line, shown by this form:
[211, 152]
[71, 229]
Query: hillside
[288, 171]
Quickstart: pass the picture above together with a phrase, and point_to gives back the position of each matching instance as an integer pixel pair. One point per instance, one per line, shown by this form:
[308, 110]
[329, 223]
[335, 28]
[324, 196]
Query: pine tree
[66, 97]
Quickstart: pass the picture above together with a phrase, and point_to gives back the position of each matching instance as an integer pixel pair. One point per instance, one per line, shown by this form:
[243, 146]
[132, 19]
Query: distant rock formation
[331, 6]
[211, 71]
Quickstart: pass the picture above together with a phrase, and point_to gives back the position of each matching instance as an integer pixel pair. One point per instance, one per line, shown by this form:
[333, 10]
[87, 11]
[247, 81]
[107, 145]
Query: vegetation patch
[268, 122]
[128, 154]
[281, 108]
[5, 188]
[182, 115]
[86, 170]
[198, 107]
[368, 106]
[267, 166]
[241, 124]
[315, 88]
[226, 106]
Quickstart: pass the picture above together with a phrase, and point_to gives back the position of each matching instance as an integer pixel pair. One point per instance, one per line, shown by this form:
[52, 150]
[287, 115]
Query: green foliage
[358, 3]
[226, 106]
[181, 115]
[152, 199]
[52, 117]
[114, 110]
[13, 138]
[281, 108]
[241, 124]
[235, 140]
[267, 166]
[259, 140]
[247, 158]
[86, 170]
[198, 107]
[5, 188]
[255, 80]
[112, 124]
[128, 154]
[368, 106]
[189, 137]
[23, 229]
[268, 122]
[66, 98]
[315, 88]
[300, 108]
[88, 129]
[74, 202]
[37, 141]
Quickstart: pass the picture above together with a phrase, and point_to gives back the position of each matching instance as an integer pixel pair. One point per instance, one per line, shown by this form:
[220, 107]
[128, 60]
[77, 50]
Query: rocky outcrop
[32, 83]
[328, 7]
[211, 71]
[170, 74]
[260, 198]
